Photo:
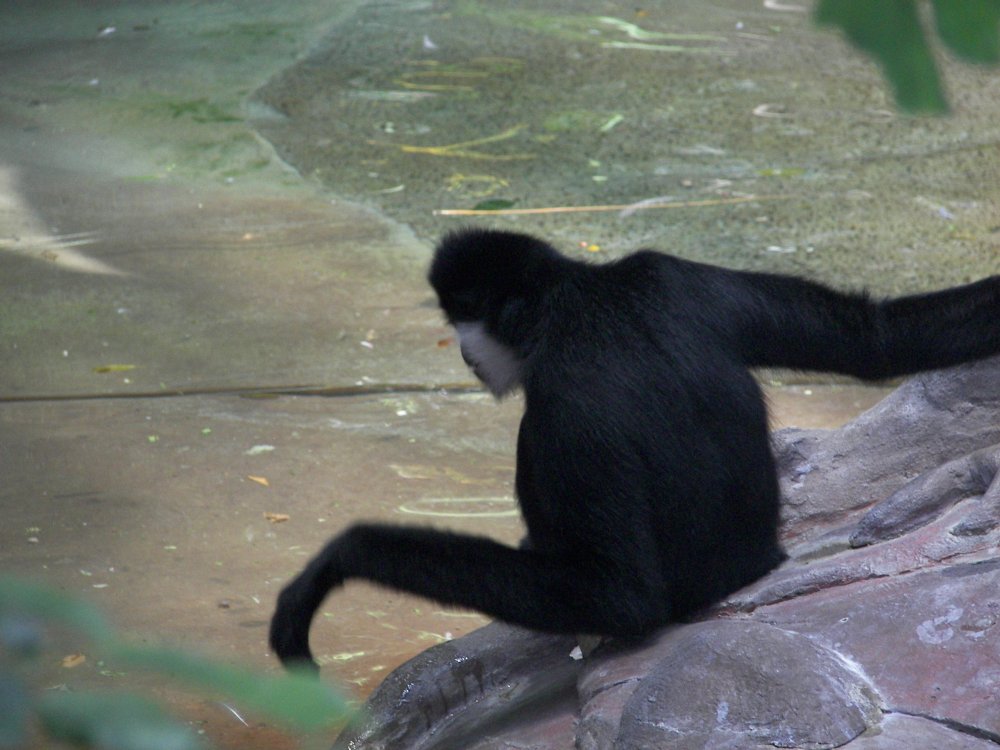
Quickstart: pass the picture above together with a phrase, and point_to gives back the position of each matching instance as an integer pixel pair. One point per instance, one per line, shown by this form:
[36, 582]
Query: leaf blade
[970, 28]
[890, 31]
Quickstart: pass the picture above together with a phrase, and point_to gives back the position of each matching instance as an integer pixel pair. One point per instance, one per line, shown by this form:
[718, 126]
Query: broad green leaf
[127, 722]
[297, 700]
[494, 204]
[19, 597]
[890, 31]
[15, 708]
[112, 721]
[971, 28]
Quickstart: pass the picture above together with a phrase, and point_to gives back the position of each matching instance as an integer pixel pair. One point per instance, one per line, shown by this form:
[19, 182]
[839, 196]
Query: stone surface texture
[879, 632]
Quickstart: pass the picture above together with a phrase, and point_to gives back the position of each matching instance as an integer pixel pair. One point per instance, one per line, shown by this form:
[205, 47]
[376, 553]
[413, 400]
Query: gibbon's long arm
[782, 321]
[524, 587]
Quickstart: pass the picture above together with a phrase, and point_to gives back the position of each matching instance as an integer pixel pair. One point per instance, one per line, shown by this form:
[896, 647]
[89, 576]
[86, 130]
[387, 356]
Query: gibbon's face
[495, 364]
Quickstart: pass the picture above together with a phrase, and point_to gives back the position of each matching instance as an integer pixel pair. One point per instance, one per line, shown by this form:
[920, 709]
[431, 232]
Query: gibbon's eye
[462, 306]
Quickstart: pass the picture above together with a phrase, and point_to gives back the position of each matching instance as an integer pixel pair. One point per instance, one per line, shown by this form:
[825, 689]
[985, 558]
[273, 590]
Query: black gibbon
[644, 468]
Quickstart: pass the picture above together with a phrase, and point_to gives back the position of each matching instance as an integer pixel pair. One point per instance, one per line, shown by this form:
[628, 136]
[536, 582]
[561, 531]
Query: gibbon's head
[489, 285]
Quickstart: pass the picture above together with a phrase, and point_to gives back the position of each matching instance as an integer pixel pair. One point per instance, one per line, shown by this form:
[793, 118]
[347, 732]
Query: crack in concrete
[254, 392]
[957, 726]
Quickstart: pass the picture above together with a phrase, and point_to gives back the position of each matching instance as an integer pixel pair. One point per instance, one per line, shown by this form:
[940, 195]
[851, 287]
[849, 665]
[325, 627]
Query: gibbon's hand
[293, 614]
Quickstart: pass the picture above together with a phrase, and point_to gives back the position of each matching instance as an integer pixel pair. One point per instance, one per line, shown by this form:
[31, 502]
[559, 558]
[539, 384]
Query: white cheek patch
[492, 362]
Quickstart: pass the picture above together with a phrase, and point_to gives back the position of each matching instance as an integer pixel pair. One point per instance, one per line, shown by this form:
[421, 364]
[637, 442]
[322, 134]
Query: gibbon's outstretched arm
[787, 322]
[519, 586]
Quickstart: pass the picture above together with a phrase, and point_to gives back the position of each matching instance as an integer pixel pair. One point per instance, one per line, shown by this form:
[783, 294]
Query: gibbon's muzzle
[467, 359]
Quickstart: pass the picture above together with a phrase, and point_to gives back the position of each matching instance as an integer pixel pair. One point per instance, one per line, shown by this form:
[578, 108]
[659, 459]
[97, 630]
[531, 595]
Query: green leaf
[970, 27]
[298, 700]
[112, 721]
[494, 204]
[20, 597]
[890, 31]
[127, 722]
[15, 708]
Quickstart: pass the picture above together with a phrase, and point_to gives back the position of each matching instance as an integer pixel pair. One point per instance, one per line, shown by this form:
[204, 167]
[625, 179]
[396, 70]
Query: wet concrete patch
[414, 108]
[213, 288]
[170, 513]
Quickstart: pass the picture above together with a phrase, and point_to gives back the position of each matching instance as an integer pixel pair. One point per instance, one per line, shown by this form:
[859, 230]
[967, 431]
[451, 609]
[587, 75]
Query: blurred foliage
[124, 720]
[117, 721]
[891, 31]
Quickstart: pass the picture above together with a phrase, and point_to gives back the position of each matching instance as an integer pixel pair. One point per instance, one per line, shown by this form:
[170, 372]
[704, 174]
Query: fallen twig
[614, 207]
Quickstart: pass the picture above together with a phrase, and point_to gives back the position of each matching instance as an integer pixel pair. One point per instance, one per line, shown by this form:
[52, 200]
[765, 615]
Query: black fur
[644, 469]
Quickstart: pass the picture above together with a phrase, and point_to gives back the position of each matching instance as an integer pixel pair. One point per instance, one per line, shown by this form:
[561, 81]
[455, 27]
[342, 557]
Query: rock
[495, 681]
[761, 685]
[921, 500]
[928, 641]
[879, 633]
[901, 732]
[929, 420]
[927, 546]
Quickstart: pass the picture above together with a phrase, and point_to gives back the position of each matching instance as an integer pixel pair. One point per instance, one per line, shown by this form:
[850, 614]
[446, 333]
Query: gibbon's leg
[522, 587]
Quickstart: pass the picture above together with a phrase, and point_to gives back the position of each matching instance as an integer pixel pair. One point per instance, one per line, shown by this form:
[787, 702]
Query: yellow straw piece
[614, 207]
